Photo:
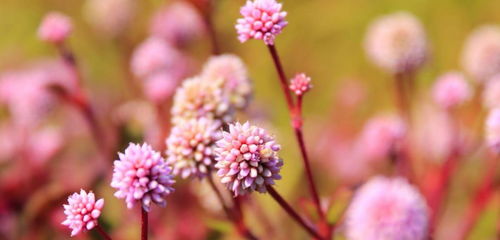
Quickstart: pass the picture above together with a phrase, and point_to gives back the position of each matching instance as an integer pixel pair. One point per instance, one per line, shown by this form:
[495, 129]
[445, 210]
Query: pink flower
[141, 175]
[451, 90]
[389, 209]
[262, 19]
[110, 17]
[247, 159]
[493, 130]
[178, 23]
[397, 42]
[491, 93]
[55, 28]
[380, 136]
[190, 147]
[159, 86]
[152, 56]
[481, 54]
[300, 84]
[82, 212]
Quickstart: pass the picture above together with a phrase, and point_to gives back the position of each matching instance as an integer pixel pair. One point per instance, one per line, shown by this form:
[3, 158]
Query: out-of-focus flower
[190, 147]
[300, 84]
[451, 90]
[491, 93]
[387, 208]
[481, 54]
[159, 86]
[152, 56]
[198, 98]
[397, 43]
[380, 136]
[55, 28]
[141, 175]
[82, 212]
[178, 23]
[231, 69]
[493, 130]
[247, 159]
[262, 19]
[109, 17]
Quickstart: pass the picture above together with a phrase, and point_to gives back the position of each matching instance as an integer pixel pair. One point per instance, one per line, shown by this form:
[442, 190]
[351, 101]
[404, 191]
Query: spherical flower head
[451, 90]
[493, 130]
[152, 56]
[82, 212]
[380, 136]
[481, 54]
[247, 159]
[262, 19]
[300, 84]
[158, 87]
[55, 28]
[190, 147]
[198, 98]
[109, 17]
[178, 23]
[231, 69]
[387, 208]
[397, 43]
[491, 93]
[142, 175]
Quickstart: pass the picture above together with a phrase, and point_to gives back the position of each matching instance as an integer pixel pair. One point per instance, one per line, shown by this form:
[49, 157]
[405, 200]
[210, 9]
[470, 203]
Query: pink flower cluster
[300, 84]
[82, 211]
[141, 175]
[451, 90]
[380, 136]
[262, 19]
[55, 28]
[247, 159]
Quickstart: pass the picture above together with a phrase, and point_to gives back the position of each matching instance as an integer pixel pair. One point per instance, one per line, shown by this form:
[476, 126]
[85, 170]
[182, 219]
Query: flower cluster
[262, 20]
[82, 211]
[109, 17]
[387, 208]
[247, 159]
[380, 136]
[141, 175]
[190, 147]
[300, 84]
[451, 90]
[481, 56]
[55, 28]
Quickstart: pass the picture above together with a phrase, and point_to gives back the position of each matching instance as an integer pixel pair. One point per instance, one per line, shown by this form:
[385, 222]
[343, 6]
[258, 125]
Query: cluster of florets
[190, 147]
[247, 159]
[262, 19]
[451, 90]
[300, 84]
[382, 135]
[387, 208]
[55, 28]
[481, 56]
[142, 176]
[397, 43]
[82, 211]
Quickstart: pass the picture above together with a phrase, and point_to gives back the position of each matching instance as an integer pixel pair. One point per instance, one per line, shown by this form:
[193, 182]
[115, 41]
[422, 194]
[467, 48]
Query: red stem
[102, 232]
[292, 213]
[282, 76]
[144, 224]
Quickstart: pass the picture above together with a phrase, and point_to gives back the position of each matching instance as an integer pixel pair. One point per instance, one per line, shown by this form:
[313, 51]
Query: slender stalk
[211, 28]
[292, 213]
[281, 75]
[101, 231]
[144, 224]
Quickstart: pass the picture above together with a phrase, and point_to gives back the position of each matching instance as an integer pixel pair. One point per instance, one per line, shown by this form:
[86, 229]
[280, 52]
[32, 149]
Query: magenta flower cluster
[82, 211]
[300, 84]
[55, 28]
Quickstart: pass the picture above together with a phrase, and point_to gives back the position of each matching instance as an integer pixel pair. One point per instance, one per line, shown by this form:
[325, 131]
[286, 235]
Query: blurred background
[324, 39]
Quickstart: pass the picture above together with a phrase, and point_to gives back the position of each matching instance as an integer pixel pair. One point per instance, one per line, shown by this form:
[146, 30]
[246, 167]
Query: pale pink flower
[491, 92]
[262, 19]
[232, 71]
[380, 136]
[178, 23]
[247, 159]
[190, 147]
[493, 130]
[159, 86]
[142, 176]
[481, 54]
[451, 90]
[55, 28]
[300, 84]
[152, 56]
[397, 42]
[388, 209]
[109, 17]
[82, 212]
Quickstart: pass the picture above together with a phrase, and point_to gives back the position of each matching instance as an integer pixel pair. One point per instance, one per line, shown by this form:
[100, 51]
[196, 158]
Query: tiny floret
[82, 212]
[387, 208]
[55, 28]
[300, 84]
[493, 130]
[262, 19]
[190, 147]
[451, 90]
[142, 176]
[481, 54]
[247, 159]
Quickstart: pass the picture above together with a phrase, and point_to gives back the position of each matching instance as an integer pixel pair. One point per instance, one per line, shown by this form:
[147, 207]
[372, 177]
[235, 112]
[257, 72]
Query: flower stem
[102, 232]
[144, 224]
[281, 75]
[292, 213]
[207, 17]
